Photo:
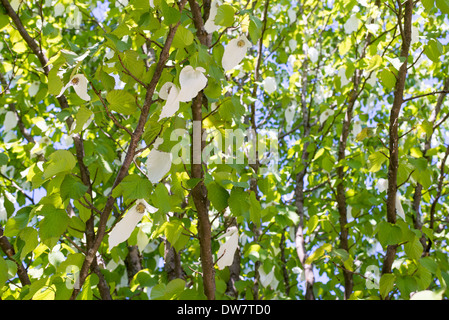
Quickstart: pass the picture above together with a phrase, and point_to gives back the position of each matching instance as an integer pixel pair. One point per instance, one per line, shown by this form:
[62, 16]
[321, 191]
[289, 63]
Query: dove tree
[135, 162]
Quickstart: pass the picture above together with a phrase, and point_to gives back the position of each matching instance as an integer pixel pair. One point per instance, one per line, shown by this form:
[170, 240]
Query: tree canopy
[198, 149]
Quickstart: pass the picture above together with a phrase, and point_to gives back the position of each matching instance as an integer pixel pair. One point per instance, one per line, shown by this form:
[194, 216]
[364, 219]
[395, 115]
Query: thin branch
[424, 95]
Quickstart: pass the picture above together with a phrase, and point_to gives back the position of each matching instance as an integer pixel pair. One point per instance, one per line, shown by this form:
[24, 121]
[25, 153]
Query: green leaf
[312, 224]
[254, 209]
[376, 160]
[121, 101]
[386, 284]
[161, 198]
[133, 187]
[388, 79]
[429, 263]
[225, 16]
[59, 161]
[29, 236]
[134, 63]
[3, 272]
[76, 227]
[238, 202]
[218, 196]
[174, 288]
[174, 232]
[3, 159]
[413, 248]
[318, 253]
[434, 49]
[82, 116]
[54, 224]
[427, 127]
[443, 5]
[170, 14]
[365, 133]
[55, 83]
[255, 28]
[4, 21]
[388, 233]
[374, 63]
[18, 222]
[428, 4]
[182, 38]
[72, 188]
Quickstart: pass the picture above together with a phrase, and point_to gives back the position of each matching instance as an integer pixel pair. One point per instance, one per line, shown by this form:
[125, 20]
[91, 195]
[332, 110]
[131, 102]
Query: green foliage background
[46, 205]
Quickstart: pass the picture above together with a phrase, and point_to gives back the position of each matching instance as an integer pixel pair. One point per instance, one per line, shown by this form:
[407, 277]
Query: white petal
[123, 229]
[64, 89]
[191, 81]
[326, 114]
[265, 278]
[226, 252]
[10, 121]
[399, 209]
[293, 44]
[210, 25]
[269, 84]
[33, 89]
[172, 104]
[342, 74]
[291, 15]
[382, 184]
[81, 86]
[289, 115]
[356, 128]
[3, 212]
[234, 52]
[59, 9]
[415, 35]
[158, 164]
[372, 27]
[313, 55]
[166, 89]
[351, 25]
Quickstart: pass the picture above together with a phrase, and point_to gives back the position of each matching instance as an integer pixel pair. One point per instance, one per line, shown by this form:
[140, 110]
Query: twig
[424, 95]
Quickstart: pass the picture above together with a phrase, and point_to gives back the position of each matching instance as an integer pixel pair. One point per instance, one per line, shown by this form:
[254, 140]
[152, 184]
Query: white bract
[291, 12]
[226, 252]
[269, 85]
[343, 79]
[313, 55]
[234, 52]
[59, 9]
[169, 92]
[356, 128]
[3, 212]
[289, 116]
[123, 229]
[33, 89]
[158, 162]
[326, 114]
[293, 44]
[415, 35]
[351, 25]
[74, 21]
[382, 185]
[268, 279]
[10, 121]
[79, 84]
[210, 25]
[191, 81]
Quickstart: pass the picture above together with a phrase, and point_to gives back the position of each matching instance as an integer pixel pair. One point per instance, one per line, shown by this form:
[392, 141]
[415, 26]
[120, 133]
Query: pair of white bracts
[123, 229]
[382, 185]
